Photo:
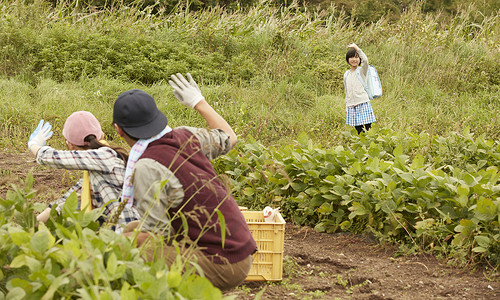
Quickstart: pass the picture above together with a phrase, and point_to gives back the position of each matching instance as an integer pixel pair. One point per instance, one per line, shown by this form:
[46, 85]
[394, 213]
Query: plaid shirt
[106, 172]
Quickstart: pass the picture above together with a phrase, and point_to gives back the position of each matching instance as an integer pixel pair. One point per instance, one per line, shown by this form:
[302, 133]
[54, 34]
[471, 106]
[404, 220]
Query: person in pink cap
[87, 152]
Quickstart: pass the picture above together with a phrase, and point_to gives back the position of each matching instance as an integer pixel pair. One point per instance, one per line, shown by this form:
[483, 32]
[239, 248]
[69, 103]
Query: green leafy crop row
[431, 193]
[69, 258]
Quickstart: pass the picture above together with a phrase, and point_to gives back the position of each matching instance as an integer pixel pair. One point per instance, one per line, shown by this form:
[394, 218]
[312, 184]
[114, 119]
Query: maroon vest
[180, 151]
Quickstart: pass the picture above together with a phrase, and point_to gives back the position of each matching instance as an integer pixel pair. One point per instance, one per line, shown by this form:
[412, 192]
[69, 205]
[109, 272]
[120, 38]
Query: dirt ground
[316, 265]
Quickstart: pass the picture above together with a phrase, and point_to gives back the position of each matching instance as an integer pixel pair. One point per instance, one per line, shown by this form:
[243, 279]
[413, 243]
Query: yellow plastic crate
[270, 237]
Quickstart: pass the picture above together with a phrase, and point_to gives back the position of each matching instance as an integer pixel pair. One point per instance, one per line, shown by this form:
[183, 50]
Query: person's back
[183, 161]
[170, 178]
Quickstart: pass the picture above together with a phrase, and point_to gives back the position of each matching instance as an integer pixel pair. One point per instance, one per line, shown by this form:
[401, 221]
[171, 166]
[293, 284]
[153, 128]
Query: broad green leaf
[298, 186]
[19, 261]
[320, 227]
[111, 264]
[248, 191]
[25, 285]
[71, 204]
[427, 195]
[303, 139]
[42, 240]
[425, 224]
[311, 192]
[201, 288]
[479, 249]
[141, 276]
[465, 230]
[174, 278]
[391, 186]
[358, 209]
[482, 241]
[18, 236]
[384, 166]
[354, 169]
[120, 272]
[313, 173]
[105, 295]
[463, 195]
[367, 187]
[16, 293]
[485, 210]
[463, 190]
[127, 292]
[423, 181]
[470, 180]
[374, 150]
[39, 207]
[465, 226]
[276, 180]
[24, 260]
[64, 232]
[388, 206]
[330, 179]
[398, 151]
[407, 177]
[338, 190]
[54, 286]
[28, 183]
[451, 187]
[418, 162]
[373, 164]
[255, 175]
[325, 208]
[329, 197]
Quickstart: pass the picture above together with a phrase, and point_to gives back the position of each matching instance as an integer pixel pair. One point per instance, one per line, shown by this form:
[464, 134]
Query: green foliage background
[259, 66]
[438, 194]
[71, 257]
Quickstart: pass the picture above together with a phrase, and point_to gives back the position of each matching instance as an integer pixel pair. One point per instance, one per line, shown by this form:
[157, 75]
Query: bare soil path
[316, 265]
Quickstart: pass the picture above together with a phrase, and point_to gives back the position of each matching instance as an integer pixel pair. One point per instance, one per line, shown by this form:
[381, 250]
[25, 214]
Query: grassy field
[272, 73]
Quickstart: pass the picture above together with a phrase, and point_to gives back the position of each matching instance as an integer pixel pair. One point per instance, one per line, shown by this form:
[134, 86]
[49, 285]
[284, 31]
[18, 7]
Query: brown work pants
[224, 276]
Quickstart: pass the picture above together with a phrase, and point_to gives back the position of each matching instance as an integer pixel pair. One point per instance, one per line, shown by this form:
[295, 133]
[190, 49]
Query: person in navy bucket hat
[169, 174]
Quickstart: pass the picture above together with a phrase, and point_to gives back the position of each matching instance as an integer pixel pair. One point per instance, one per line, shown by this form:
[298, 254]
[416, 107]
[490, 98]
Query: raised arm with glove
[189, 94]
[37, 139]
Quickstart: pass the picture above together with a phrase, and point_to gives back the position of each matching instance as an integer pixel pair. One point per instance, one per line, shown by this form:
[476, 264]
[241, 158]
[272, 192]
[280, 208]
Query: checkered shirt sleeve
[106, 172]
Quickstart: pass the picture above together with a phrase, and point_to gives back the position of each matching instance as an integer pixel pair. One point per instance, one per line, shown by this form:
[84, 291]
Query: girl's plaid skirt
[360, 114]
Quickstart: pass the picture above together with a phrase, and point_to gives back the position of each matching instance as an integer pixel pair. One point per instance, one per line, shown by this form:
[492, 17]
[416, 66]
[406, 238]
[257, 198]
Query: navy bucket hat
[135, 111]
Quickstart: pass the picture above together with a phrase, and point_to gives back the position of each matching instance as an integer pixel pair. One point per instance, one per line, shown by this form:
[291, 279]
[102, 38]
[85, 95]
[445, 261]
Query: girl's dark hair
[91, 142]
[351, 53]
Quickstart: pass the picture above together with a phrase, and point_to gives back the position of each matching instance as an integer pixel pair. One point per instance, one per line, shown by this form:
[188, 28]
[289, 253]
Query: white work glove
[42, 133]
[187, 92]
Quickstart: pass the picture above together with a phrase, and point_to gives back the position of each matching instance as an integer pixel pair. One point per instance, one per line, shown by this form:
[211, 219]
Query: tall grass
[272, 72]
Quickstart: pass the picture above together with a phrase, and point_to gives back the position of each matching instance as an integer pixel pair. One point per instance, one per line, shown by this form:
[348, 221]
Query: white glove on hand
[188, 93]
[41, 134]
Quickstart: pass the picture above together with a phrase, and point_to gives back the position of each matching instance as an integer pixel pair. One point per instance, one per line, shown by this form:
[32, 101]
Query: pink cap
[79, 125]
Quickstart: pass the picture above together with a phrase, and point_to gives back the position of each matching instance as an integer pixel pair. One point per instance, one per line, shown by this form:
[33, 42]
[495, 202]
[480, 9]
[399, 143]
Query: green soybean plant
[70, 258]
